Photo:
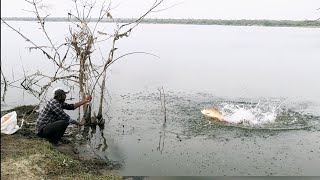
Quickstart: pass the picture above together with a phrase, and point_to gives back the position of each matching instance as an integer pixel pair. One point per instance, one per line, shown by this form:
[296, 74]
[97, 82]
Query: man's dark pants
[54, 131]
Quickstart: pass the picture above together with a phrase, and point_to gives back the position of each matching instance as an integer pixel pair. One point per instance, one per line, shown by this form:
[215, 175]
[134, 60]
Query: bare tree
[72, 59]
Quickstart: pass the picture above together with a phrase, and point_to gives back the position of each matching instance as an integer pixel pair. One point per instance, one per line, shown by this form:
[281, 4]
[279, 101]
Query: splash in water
[247, 115]
[261, 113]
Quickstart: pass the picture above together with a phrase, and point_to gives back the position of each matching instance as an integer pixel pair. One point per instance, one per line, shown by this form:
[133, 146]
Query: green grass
[27, 158]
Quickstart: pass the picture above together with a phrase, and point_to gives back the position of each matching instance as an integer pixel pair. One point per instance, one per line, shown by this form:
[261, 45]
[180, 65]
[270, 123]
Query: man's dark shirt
[51, 112]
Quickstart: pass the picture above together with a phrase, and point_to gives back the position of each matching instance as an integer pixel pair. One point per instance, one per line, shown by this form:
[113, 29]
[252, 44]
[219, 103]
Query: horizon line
[166, 19]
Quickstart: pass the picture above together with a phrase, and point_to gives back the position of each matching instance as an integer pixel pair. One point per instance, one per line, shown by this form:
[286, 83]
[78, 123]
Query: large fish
[213, 113]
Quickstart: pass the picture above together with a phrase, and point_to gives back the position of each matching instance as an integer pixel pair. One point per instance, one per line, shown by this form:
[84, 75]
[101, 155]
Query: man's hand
[87, 99]
[79, 124]
[82, 102]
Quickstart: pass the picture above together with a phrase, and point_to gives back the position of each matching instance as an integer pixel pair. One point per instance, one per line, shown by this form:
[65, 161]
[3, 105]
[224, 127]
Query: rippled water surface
[264, 80]
[191, 144]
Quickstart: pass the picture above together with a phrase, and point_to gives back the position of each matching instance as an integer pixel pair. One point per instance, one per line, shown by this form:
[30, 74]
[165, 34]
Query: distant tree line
[243, 22]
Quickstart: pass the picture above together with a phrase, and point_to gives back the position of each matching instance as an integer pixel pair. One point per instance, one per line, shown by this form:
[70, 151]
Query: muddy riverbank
[24, 154]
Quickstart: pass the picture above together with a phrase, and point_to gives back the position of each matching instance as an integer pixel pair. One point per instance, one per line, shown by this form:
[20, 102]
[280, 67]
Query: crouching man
[53, 121]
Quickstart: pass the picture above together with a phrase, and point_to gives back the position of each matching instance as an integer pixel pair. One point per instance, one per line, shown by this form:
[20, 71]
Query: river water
[265, 80]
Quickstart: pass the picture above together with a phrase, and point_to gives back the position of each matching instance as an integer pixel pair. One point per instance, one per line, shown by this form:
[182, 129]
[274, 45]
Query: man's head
[60, 94]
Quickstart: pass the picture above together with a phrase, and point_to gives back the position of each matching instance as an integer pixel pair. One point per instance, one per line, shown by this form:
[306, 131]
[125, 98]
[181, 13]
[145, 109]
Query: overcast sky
[207, 9]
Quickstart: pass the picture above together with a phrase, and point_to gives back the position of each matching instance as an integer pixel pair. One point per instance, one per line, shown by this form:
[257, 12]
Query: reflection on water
[95, 140]
[162, 139]
[104, 141]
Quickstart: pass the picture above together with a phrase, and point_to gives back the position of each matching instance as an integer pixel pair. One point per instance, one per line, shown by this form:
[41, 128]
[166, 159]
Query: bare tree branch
[28, 40]
[74, 64]
[4, 83]
[42, 22]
